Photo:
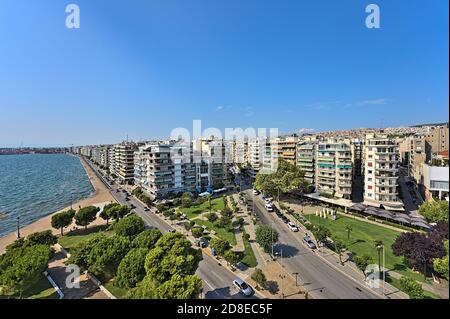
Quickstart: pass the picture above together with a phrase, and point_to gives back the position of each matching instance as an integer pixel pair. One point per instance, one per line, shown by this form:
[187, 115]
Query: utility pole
[18, 227]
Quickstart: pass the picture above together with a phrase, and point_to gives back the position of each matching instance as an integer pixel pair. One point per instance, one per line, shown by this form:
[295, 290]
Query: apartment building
[124, 162]
[306, 160]
[287, 148]
[381, 163]
[263, 156]
[165, 168]
[334, 168]
[438, 138]
[239, 153]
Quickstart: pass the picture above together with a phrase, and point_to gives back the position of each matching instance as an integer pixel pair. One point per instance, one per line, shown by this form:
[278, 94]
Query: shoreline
[100, 195]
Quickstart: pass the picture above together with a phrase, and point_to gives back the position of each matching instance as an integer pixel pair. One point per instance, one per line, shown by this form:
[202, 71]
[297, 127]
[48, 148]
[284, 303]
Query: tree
[41, 238]
[197, 232]
[224, 222]
[107, 212]
[340, 246]
[104, 257]
[172, 254]
[321, 234]
[418, 250]
[220, 245]
[411, 287]
[129, 226]
[441, 264]
[233, 257]
[132, 268]
[186, 200]
[120, 211]
[21, 267]
[147, 239]
[212, 217]
[435, 211]
[259, 277]
[86, 215]
[362, 262]
[266, 236]
[177, 287]
[348, 229]
[62, 220]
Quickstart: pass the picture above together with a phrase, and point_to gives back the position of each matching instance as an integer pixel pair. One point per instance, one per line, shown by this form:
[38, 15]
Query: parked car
[309, 242]
[255, 192]
[285, 219]
[268, 207]
[146, 209]
[292, 227]
[132, 206]
[267, 200]
[243, 287]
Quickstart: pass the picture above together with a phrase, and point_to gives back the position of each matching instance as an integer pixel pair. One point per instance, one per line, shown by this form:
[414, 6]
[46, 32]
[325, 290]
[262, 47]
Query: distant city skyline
[144, 69]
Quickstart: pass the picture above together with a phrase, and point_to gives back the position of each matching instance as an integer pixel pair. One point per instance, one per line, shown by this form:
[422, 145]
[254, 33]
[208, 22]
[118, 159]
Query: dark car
[146, 209]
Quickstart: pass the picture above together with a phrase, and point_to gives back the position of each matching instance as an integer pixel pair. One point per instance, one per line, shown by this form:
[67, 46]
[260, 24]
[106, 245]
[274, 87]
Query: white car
[243, 287]
[255, 192]
[267, 200]
[268, 207]
[292, 227]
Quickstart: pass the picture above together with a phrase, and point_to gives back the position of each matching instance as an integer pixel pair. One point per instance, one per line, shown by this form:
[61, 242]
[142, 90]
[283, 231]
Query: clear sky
[146, 67]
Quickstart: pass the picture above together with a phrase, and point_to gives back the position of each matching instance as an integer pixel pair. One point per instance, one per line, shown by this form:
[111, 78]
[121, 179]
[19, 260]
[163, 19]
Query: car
[267, 200]
[292, 227]
[127, 198]
[146, 209]
[132, 206]
[268, 207]
[243, 287]
[255, 192]
[171, 230]
[279, 214]
[309, 242]
[285, 219]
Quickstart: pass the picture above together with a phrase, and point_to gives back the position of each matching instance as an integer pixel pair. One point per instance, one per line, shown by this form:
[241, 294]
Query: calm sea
[36, 185]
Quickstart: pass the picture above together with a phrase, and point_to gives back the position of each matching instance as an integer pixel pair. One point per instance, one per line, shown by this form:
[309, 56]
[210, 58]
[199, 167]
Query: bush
[411, 287]
[41, 238]
[197, 232]
[212, 217]
[259, 277]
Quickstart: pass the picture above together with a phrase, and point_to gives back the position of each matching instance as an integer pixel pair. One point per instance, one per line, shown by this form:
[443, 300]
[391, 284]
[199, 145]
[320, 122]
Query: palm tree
[379, 247]
[348, 229]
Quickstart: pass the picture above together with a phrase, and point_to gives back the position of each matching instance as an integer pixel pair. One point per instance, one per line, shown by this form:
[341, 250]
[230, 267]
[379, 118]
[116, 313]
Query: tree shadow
[288, 251]
[272, 287]
[400, 267]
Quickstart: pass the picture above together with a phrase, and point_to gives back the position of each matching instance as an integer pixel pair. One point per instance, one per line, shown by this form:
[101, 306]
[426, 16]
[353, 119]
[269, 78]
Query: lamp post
[18, 227]
[295, 274]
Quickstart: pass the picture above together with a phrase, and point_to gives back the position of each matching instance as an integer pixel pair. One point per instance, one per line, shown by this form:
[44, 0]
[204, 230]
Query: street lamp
[18, 227]
[295, 274]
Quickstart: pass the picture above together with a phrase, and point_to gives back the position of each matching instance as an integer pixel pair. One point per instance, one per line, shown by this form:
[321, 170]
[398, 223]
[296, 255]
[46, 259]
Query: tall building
[334, 169]
[438, 138]
[306, 160]
[124, 162]
[263, 156]
[287, 148]
[381, 161]
[165, 168]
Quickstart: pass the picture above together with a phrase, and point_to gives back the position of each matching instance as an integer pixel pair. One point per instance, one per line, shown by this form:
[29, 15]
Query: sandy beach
[100, 196]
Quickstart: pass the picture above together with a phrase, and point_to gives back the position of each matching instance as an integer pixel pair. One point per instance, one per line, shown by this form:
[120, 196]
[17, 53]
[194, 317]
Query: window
[369, 194]
[370, 164]
[369, 171]
[439, 185]
[369, 179]
[370, 186]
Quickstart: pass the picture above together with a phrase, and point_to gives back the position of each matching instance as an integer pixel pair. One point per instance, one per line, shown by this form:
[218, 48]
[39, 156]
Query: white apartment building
[334, 168]
[306, 160]
[263, 156]
[124, 162]
[381, 161]
[435, 181]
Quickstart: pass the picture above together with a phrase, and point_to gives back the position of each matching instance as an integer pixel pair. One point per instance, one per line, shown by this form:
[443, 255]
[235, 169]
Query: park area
[362, 240]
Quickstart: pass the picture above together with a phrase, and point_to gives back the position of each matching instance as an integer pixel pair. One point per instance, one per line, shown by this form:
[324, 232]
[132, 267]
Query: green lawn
[362, 240]
[42, 289]
[119, 293]
[249, 256]
[220, 232]
[73, 238]
[192, 212]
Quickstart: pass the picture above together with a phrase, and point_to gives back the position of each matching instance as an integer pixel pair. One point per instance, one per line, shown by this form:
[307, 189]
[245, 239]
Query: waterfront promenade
[100, 196]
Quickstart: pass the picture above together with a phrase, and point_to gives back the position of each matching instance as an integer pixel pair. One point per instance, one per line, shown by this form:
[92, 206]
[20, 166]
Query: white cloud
[219, 108]
[373, 102]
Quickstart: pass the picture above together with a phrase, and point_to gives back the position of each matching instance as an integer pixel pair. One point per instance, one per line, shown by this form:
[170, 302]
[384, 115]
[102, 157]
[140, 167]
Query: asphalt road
[217, 280]
[315, 275]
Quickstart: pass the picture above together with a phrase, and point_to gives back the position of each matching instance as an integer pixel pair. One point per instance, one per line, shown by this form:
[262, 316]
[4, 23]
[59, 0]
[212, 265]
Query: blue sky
[146, 67]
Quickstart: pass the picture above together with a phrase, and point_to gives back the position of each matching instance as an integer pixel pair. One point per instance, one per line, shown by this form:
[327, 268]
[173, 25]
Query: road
[320, 279]
[411, 197]
[217, 280]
